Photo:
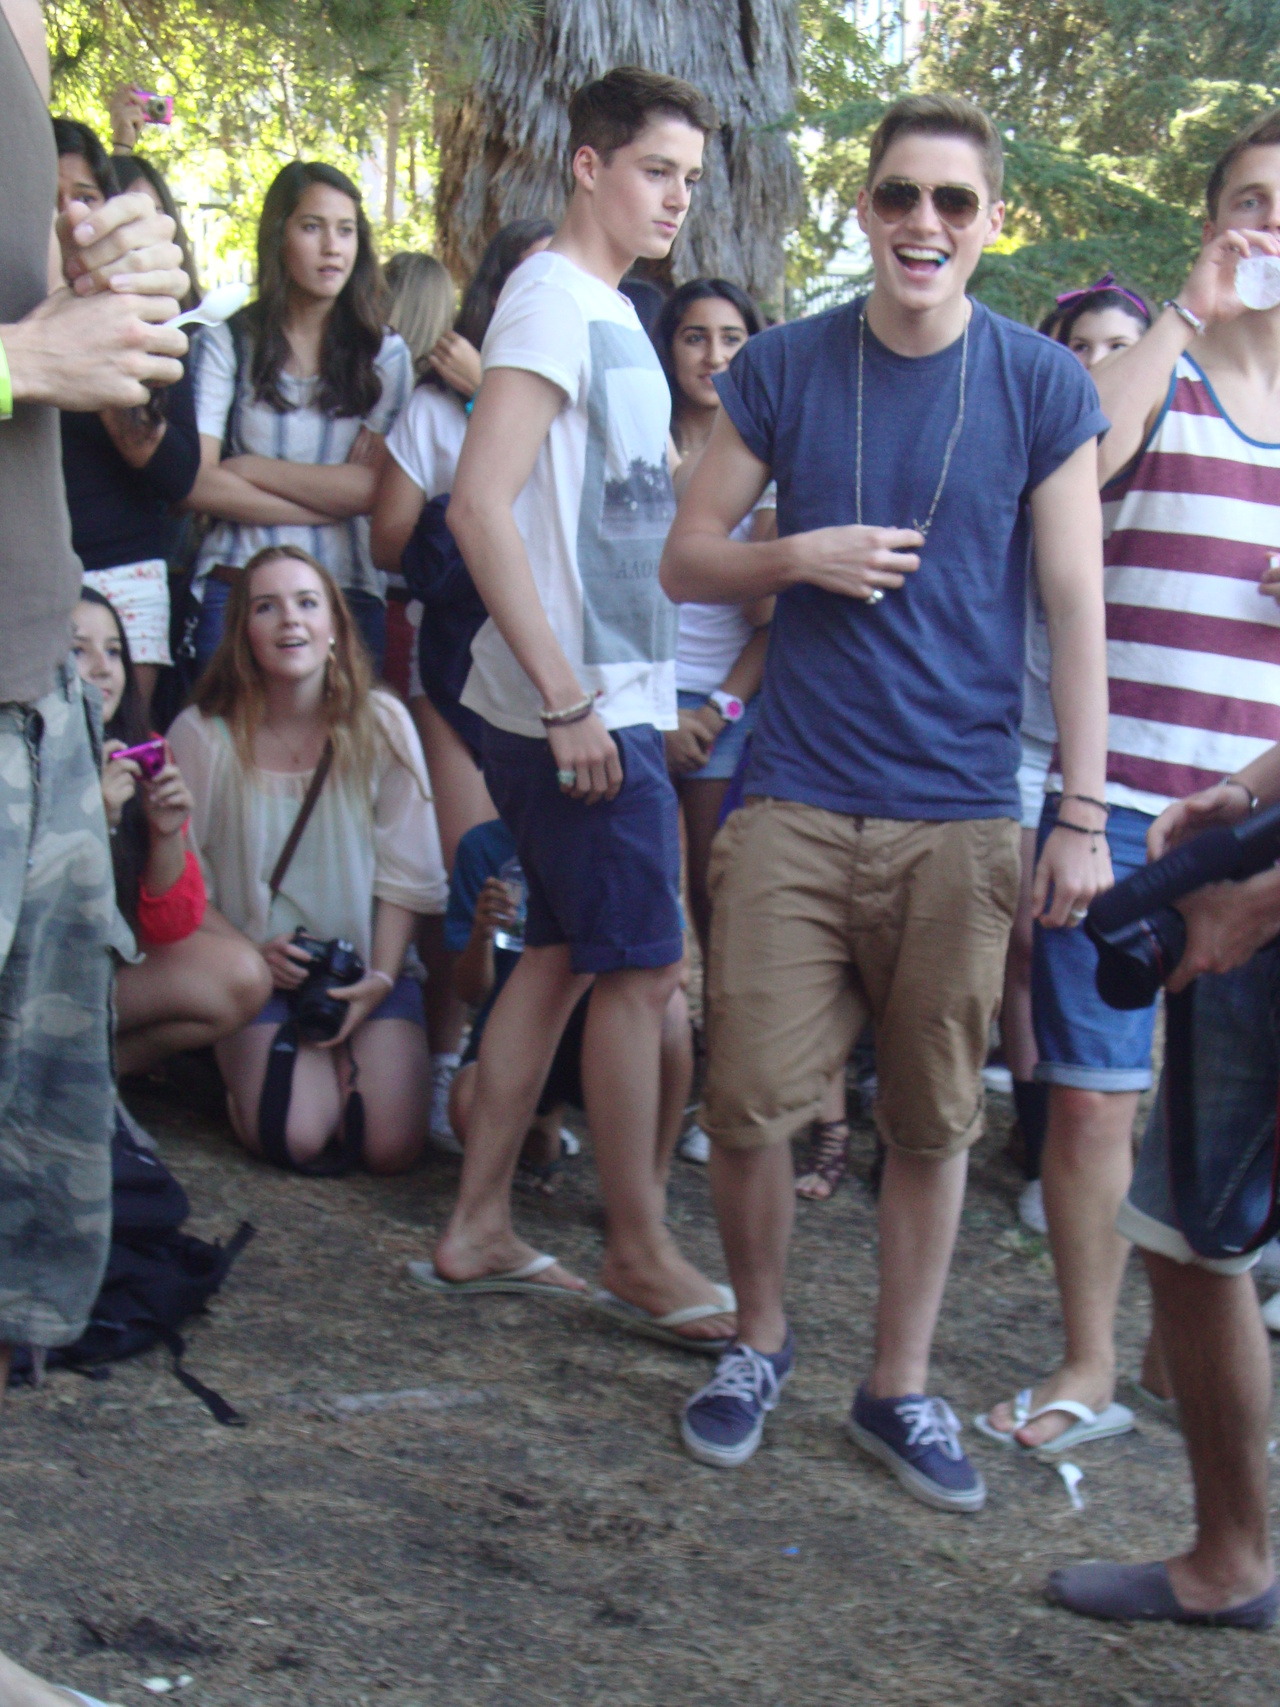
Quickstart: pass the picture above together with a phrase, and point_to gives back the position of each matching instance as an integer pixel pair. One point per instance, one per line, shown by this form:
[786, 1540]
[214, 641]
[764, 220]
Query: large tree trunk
[503, 144]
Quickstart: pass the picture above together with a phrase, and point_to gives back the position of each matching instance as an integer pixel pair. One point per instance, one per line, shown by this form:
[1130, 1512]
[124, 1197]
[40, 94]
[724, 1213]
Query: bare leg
[457, 785]
[516, 1052]
[1088, 1163]
[22, 1688]
[755, 1209]
[395, 1083]
[701, 803]
[1220, 1367]
[186, 995]
[315, 1107]
[675, 1078]
[920, 1204]
[1016, 1031]
[621, 1065]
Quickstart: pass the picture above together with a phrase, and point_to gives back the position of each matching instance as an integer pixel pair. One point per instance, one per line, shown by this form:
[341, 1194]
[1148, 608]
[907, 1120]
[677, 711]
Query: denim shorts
[402, 1001]
[1082, 1042]
[730, 743]
[605, 878]
[368, 613]
[1237, 1072]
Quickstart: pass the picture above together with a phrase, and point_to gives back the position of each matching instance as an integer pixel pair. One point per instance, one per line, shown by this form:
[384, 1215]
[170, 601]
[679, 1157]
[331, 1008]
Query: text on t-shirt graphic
[627, 502]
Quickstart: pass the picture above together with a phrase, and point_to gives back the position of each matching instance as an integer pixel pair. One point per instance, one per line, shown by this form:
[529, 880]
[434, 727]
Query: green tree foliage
[260, 82]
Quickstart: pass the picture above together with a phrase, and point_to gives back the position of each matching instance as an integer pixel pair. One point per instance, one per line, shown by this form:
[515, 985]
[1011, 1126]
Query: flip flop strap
[690, 1313]
[540, 1264]
[1072, 1407]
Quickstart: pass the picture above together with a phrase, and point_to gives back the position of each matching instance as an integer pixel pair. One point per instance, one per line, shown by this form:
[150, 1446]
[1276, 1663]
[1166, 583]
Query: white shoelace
[931, 1422]
[743, 1374]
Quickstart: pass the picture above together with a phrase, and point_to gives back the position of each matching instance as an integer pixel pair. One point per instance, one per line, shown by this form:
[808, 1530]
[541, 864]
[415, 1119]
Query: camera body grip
[1211, 857]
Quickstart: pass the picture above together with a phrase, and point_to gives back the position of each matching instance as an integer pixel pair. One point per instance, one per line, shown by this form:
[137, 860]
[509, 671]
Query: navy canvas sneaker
[919, 1440]
[723, 1423]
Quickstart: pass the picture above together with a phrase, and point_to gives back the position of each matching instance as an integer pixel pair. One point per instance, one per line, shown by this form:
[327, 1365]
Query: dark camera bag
[157, 1277]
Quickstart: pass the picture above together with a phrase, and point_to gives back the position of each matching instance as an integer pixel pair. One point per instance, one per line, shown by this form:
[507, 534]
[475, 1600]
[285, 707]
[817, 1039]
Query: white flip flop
[663, 1328]
[1113, 1420]
[521, 1280]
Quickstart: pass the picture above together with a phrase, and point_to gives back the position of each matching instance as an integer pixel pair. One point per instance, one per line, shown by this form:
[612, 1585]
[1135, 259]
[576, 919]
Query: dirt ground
[519, 1525]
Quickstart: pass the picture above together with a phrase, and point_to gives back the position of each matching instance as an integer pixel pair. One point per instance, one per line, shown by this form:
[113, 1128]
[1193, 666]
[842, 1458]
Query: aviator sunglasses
[955, 204]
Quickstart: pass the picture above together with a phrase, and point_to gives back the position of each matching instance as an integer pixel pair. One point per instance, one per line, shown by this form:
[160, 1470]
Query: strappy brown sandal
[825, 1162]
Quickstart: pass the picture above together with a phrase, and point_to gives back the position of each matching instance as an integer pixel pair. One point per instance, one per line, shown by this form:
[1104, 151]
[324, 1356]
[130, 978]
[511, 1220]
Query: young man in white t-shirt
[561, 505]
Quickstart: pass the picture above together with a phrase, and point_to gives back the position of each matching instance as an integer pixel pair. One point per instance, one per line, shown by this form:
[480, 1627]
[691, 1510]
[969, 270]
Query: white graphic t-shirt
[595, 511]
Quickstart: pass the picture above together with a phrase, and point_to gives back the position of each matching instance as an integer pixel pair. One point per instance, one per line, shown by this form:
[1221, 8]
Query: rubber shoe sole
[720, 1457]
[917, 1485]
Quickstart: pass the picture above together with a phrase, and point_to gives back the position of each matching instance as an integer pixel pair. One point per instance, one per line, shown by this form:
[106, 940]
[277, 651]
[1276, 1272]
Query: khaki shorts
[822, 921]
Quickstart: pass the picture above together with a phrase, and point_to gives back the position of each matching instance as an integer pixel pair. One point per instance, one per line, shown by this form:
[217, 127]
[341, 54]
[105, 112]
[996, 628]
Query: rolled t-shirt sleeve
[215, 381]
[1067, 414]
[751, 392]
[540, 328]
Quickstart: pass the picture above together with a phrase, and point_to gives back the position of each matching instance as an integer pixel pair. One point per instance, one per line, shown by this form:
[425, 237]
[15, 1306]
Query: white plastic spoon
[220, 304]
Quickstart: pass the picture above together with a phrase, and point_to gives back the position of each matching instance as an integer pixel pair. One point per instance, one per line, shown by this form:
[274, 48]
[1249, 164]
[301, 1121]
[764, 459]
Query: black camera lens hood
[1214, 856]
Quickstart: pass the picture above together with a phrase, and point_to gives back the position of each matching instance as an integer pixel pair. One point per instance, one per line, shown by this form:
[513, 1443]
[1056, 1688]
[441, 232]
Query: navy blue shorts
[402, 1001]
[605, 878]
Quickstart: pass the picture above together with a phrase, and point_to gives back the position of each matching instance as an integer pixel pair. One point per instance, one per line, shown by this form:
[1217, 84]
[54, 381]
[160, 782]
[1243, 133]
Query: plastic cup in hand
[511, 937]
[1258, 281]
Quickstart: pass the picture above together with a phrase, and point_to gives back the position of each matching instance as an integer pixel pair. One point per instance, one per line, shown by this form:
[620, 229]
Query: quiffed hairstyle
[232, 686]
[353, 332]
[72, 137]
[673, 312]
[611, 112]
[1262, 133]
[420, 303]
[940, 115]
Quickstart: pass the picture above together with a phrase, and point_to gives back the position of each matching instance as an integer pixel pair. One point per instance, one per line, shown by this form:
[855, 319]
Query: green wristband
[6, 388]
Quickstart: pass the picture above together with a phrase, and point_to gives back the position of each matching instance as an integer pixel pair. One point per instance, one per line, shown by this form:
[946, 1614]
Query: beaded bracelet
[1078, 829]
[1088, 800]
[570, 714]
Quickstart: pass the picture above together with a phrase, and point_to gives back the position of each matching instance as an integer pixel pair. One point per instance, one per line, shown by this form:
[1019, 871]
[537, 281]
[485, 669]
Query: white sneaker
[1271, 1313]
[1031, 1207]
[440, 1133]
[694, 1146]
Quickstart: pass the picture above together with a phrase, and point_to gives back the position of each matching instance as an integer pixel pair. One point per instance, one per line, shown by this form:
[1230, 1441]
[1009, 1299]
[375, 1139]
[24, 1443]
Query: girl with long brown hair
[294, 398]
[290, 682]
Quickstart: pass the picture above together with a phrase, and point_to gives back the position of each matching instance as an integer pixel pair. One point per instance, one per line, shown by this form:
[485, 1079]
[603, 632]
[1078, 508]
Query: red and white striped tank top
[1193, 648]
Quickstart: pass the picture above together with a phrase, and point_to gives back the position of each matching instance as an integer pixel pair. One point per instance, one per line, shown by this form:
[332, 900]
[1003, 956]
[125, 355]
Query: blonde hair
[232, 686]
[421, 305]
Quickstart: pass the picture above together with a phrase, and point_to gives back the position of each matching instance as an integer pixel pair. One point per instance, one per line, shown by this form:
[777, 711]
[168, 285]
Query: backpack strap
[308, 806]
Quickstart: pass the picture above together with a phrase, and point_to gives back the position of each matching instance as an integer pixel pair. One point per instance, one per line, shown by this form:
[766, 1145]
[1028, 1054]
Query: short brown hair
[611, 112]
[941, 115]
[1264, 132]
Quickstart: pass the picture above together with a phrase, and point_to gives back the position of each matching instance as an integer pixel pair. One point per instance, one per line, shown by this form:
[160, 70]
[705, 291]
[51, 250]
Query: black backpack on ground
[157, 1276]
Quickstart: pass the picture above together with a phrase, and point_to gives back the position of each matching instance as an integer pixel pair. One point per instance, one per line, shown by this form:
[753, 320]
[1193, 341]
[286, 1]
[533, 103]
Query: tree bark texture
[504, 141]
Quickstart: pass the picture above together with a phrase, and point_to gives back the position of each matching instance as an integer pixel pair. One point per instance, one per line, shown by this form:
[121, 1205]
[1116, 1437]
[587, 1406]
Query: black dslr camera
[318, 1014]
[1139, 933]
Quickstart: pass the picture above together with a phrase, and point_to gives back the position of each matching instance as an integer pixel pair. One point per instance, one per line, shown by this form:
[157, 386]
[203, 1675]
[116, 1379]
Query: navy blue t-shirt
[909, 708]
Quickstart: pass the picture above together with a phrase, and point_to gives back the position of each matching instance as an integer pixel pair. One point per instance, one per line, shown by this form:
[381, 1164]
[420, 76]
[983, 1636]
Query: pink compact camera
[158, 108]
[149, 756]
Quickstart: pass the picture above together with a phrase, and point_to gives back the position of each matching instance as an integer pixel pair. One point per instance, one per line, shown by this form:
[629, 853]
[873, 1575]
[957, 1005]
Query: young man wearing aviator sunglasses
[915, 438]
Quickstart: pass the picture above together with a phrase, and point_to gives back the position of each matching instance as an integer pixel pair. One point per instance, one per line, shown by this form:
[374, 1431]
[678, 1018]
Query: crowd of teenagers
[434, 652]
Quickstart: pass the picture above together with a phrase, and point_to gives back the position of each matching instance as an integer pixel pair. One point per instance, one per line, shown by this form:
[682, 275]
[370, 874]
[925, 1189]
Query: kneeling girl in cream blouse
[289, 679]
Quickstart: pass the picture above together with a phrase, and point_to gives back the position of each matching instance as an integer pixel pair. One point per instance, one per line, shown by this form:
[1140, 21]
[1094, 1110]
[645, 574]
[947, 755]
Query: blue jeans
[1082, 1042]
[368, 612]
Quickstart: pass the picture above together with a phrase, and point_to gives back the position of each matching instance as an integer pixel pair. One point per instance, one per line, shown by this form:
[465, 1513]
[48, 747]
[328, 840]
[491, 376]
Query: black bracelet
[1088, 800]
[1077, 829]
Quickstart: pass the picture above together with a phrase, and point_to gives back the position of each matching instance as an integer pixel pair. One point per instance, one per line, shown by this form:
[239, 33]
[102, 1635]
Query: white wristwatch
[728, 705]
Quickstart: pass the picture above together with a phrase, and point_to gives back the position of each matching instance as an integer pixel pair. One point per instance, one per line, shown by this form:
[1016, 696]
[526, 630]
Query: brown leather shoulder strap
[300, 822]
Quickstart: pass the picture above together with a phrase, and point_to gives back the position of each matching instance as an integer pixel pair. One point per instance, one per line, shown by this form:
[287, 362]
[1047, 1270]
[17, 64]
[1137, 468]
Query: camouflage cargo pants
[56, 1092]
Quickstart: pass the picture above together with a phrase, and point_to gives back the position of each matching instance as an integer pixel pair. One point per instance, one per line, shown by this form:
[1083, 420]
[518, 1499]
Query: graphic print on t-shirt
[627, 503]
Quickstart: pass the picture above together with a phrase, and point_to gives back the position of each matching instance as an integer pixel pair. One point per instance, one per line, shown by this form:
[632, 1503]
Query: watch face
[728, 705]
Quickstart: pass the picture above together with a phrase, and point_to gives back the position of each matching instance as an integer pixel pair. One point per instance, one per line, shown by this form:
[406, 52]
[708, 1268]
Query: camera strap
[1226, 1207]
[344, 1151]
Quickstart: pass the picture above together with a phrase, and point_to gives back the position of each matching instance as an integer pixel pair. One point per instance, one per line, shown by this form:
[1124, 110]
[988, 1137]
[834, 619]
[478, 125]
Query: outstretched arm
[1067, 517]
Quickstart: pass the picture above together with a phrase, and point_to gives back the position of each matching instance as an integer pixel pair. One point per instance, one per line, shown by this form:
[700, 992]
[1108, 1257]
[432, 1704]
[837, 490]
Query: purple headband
[1106, 282]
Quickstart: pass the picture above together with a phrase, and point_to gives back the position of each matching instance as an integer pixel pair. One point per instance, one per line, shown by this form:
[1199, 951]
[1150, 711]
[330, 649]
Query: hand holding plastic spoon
[220, 304]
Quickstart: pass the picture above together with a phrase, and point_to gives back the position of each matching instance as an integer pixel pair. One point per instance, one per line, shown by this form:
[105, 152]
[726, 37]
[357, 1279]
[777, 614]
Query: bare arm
[1067, 517]
[473, 971]
[396, 509]
[701, 563]
[220, 492]
[1133, 383]
[134, 433]
[513, 413]
[337, 491]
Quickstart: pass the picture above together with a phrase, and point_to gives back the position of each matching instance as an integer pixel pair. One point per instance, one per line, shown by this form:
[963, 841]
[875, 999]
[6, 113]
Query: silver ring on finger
[875, 595]
[1078, 913]
[567, 779]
